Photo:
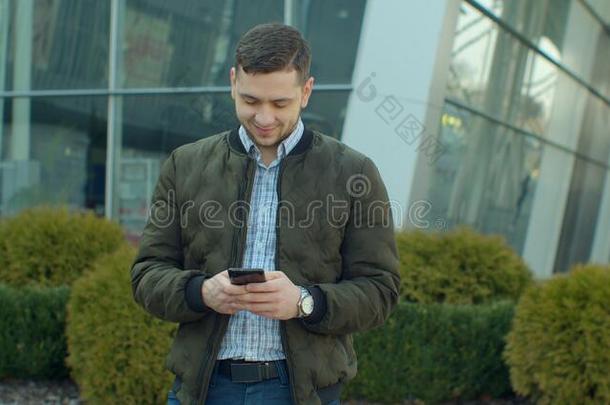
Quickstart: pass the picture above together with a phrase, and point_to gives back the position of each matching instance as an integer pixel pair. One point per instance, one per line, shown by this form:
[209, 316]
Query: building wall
[400, 72]
[524, 131]
[486, 113]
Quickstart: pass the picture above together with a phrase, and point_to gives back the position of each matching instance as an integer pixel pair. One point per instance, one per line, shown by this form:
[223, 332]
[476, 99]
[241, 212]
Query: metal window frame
[115, 92]
[111, 141]
[529, 44]
[562, 68]
[541, 139]
[605, 24]
[146, 91]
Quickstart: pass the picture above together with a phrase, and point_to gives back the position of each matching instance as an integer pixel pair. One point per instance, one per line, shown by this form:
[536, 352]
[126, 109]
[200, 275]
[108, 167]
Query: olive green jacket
[334, 235]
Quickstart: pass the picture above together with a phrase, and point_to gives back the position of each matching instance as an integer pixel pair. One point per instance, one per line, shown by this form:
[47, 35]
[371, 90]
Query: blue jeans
[222, 390]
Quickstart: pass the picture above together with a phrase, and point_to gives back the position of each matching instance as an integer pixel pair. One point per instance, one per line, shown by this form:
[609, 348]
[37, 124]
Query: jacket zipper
[277, 267]
[205, 372]
[243, 194]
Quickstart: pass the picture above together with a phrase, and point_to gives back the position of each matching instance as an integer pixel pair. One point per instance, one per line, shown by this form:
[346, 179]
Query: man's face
[268, 105]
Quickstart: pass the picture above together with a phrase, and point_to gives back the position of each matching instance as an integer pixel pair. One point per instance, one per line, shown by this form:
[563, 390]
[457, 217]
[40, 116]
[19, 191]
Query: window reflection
[56, 155]
[340, 20]
[507, 107]
[533, 19]
[486, 177]
[588, 177]
[496, 74]
[53, 149]
[187, 43]
[56, 44]
[581, 214]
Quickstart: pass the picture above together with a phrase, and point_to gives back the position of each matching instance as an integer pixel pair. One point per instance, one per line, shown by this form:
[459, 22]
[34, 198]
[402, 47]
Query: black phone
[240, 276]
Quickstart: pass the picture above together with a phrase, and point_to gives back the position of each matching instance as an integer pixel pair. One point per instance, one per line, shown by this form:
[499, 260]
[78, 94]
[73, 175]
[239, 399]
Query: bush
[50, 246]
[558, 348]
[434, 352]
[459, 267]
[116, 349]
[32, 342]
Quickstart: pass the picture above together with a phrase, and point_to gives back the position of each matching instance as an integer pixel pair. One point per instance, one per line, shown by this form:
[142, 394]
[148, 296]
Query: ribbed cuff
[192, 291]
[319, 305]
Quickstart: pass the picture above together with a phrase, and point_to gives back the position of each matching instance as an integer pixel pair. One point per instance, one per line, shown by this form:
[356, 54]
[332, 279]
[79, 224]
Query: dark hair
[273, 47]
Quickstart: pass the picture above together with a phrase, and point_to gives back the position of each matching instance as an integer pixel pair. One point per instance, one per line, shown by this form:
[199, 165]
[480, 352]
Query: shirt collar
[285, 147]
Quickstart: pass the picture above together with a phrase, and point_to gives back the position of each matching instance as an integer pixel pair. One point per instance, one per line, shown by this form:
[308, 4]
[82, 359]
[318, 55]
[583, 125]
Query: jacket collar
[237, 145]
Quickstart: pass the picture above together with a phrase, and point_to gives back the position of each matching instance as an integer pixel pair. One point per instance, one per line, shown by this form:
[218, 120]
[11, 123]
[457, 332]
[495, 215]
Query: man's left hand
[276, 298]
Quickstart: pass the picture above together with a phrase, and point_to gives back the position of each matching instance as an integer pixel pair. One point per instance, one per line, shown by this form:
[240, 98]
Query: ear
[307, 89]
[233, 78]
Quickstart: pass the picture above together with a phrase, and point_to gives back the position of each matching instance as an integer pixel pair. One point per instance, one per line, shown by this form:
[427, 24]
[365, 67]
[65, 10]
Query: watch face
[307, 305]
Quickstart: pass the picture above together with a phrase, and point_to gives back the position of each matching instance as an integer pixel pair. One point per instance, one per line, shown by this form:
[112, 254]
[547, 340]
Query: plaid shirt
[249, 336]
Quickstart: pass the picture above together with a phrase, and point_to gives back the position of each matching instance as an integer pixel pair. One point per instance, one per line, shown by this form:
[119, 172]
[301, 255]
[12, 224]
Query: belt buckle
[246, 373]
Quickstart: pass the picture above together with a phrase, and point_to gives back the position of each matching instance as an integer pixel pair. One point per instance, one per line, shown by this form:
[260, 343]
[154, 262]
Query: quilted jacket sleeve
[369, 288]
[159, 282]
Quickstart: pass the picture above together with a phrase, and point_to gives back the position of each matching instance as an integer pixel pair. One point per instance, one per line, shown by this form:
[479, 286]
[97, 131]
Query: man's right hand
[222, 296]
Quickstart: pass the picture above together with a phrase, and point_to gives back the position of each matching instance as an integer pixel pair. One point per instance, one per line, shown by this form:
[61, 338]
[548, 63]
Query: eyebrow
[277, 100]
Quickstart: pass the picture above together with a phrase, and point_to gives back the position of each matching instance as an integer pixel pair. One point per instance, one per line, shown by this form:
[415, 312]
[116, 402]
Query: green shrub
[51, 246]
[117, 351]
[459, 267]
[434, 352]
[32, 341]
[559, 347]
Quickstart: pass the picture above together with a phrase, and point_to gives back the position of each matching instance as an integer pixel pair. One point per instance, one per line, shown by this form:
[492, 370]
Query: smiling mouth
[265, 130]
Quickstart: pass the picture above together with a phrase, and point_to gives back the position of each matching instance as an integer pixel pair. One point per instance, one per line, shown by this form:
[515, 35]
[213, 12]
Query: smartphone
[245, 276]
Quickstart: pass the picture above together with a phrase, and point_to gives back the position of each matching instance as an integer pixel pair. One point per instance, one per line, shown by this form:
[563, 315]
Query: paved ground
[18, 392]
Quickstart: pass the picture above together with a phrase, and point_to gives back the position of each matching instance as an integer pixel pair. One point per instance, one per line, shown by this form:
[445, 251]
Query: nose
[264, 118]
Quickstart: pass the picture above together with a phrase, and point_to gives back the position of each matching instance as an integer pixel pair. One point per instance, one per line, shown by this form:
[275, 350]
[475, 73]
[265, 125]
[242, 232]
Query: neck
[268, 154]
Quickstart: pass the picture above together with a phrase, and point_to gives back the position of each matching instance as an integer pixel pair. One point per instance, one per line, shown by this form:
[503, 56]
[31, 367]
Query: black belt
[240, 371]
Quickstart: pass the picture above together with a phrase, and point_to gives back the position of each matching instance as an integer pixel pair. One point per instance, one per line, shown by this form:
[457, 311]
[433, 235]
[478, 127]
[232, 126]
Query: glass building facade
[95, 94]
[528, 93]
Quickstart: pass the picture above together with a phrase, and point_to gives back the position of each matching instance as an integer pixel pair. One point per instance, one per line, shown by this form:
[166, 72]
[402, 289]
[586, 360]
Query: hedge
[32, 340]
[51, 246]
[559, 347]
[459, 267]
[117, 350]
[428, 351]
[434, 352]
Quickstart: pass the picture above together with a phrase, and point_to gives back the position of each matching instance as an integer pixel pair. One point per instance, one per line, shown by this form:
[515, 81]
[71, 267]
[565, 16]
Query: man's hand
[276, 298]
[222, 296]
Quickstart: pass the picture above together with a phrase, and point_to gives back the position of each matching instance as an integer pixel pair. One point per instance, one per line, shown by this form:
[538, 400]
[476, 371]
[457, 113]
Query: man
[272, 194]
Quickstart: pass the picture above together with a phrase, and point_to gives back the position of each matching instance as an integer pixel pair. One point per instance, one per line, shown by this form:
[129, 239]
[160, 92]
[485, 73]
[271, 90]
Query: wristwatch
[305, 304]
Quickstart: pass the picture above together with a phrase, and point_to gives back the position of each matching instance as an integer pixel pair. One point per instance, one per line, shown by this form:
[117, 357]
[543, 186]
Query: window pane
[492, 72]
[486, 177]
[326, 112]
[187, 43]
[53, 152]
[580, 216]
[560, 28]
[55, 44]
[536, 20]
[152, 127]
[340, 20]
